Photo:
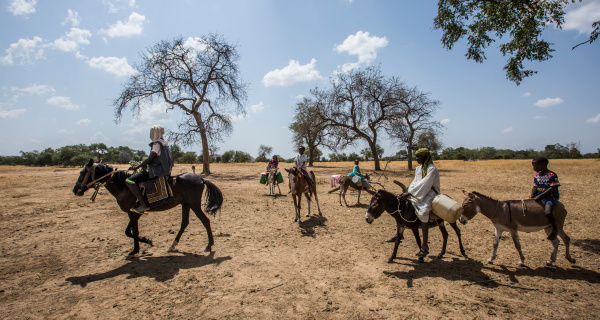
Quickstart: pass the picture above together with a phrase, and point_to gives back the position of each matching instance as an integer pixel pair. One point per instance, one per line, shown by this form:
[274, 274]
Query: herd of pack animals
[511, 216]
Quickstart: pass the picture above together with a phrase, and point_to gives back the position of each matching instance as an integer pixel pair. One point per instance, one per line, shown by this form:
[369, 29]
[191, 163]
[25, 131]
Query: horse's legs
[497, 235]
[457, 230]
[343, 191]
[444, 238]
[317, 201]
[358, 200]
[555, 244]
[206, 222]
[132, 231]
[308, 204]
[515, 236]
[296, 208]
[567, 241]
[415, 230]
[185, 220]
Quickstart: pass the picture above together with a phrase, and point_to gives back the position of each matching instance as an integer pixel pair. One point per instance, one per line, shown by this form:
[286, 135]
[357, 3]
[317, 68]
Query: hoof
[439, 256]
[208, 249]
[548, 263]
[489, 261]
[171, 249]
[390, 260]
[520, 264]
[421, 260]
[130, 256]
[571, 260]
[307, 215]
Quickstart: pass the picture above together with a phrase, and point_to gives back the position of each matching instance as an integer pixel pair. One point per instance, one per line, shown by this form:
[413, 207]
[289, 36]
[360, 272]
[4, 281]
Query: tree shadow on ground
[308, 226]
[590, 245]
[160, 268]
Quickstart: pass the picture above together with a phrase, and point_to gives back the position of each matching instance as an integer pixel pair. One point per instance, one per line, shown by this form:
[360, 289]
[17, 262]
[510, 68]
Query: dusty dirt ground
[63, 257]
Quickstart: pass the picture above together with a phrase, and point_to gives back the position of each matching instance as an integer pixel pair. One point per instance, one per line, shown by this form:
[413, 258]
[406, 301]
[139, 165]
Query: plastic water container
[263, 178]
[279, 177]
[446, 208]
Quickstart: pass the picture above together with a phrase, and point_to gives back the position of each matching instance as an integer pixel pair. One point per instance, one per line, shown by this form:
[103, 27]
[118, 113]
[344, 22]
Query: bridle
[97, 185]
[399, 213]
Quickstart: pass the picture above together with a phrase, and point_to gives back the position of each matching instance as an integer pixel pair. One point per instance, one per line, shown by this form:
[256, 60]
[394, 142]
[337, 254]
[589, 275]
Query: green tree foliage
[264, 153]
[522, 22]
[308, 127]
[235, 156]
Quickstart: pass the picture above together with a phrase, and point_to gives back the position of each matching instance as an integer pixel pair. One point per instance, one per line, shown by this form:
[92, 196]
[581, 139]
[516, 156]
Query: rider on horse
[273, 163]
[160, 163]
[300, 163]
[356, 173]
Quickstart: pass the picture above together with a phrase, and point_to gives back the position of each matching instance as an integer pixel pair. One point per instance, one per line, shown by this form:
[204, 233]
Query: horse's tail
[213, 197]
[334, 189]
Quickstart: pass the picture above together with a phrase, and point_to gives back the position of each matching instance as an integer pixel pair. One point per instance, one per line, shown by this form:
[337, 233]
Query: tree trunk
[204, 139]
[375, 156]
[310, 155]
[409, 156]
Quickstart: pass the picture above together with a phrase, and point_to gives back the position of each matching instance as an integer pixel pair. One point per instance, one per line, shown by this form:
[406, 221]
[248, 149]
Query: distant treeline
[77, 155]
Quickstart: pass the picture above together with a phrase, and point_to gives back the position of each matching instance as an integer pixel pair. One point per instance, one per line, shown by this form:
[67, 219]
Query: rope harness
[95, 182]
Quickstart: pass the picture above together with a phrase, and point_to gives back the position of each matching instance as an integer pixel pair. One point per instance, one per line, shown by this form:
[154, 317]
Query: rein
[95, 182]
[400, 214]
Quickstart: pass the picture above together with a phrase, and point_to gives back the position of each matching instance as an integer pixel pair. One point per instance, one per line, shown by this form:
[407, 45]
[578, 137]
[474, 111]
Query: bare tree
[360, 105]
[416, 110]
[308, 128]
[200, 77]
[263, 151]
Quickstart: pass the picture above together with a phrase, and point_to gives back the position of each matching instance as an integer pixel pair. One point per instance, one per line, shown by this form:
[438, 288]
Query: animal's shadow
[308, 226]
[453, 269]
[573, 273]
[590, 245]
[160, 268]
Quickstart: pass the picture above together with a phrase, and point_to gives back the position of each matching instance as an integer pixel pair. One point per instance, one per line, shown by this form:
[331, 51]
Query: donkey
[345, 184]
[187, 191]
[299, 186]
[405, 216]
[272, 181]
[514, 216]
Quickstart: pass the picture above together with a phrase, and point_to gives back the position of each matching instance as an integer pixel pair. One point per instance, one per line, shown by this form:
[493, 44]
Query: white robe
[422, 192]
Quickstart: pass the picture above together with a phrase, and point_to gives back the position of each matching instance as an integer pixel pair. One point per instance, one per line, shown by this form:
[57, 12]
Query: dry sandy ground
[63, 257]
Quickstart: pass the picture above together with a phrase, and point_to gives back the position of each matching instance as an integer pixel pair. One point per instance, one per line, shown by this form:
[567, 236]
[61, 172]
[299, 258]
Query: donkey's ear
[371, 192]
[286, 169]
[91, 163]
[466, 193]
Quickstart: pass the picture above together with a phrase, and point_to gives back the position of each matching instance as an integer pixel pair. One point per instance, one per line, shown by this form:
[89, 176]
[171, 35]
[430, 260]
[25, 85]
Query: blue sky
[64, 62]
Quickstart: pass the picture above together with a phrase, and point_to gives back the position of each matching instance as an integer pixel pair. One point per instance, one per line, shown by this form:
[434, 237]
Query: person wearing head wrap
[273, 163]
[160, 163]
[425, 186]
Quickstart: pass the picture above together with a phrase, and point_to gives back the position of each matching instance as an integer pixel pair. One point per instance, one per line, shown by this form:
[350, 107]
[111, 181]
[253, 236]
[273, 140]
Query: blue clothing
[162, 164]
[356, 172]
[543, 182]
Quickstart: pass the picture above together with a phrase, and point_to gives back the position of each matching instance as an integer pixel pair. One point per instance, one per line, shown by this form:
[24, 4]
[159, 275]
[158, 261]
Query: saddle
[158, 191]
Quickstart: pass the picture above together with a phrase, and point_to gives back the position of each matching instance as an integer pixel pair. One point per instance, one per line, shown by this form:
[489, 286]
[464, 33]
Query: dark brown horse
[345, 184]
[187, 190]
[514, 216]
[405, 216]
[299, 186]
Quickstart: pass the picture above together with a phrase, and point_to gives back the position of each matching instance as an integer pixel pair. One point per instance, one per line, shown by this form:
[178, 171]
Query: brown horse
[187, 191]
[514, 216]
[299, 186]
[405, 216]
[345, 184]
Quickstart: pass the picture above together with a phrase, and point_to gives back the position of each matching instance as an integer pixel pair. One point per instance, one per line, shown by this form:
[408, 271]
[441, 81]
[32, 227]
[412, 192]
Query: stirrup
[138, 211]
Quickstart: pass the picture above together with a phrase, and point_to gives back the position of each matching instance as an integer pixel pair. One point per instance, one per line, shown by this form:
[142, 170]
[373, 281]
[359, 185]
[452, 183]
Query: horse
[299, 186]
[345, 184]
[187, 191]
[514, 216]
[272, 181]
[405, 216]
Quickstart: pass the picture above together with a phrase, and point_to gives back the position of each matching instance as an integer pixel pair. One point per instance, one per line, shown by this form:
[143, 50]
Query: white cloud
[98, 137]
[133, 26]
[292, 73]
[62, 102]
[112, 5]
[22, 7]
[445, 122]
[84, 122]
[363, 45]
[114, 65]
[150, 114]
[540, 117]
[65, 131]
[26, 50]
[527, 94]
[73, 17]
[595, 119]
[257, 107]
[11, 114]
[581, 17]
[198, 44]
[507, 130]
[238, 117]
[549, 102]
[72, 40]
[34, 89]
